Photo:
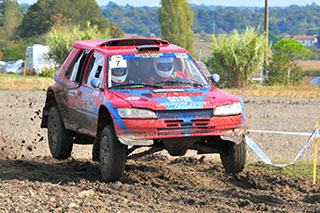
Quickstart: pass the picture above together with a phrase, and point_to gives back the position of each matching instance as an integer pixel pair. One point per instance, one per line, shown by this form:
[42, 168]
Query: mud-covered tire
[233, 156]
[112, 156]
[59, 138]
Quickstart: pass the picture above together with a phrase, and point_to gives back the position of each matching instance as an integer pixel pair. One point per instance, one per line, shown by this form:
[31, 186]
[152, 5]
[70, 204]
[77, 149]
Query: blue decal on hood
[173, 102]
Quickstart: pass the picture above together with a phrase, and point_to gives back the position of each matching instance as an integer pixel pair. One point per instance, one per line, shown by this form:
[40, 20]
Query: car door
[68, 97]
[90, 97]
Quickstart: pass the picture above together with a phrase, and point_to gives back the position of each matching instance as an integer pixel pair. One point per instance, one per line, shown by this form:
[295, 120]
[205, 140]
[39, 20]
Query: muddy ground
[32, 181]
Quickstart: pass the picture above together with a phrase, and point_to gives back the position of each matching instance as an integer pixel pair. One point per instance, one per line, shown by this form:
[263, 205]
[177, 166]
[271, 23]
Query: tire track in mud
[153, 183]
[30, 180]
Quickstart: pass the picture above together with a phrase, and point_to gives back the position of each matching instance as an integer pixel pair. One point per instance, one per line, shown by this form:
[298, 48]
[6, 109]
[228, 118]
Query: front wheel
[113, 155]
[59, 138]
[233, 156]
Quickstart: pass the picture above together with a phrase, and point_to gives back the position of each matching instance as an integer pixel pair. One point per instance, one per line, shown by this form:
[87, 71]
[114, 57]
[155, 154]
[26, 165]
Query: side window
[75, 70]
[95, 69]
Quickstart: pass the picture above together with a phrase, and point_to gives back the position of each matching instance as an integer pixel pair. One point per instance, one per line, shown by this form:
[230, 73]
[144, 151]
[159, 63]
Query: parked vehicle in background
[315, 81]
[37, 59]
[15, 67]
[6, 65]
[124, 94]
[2, 65]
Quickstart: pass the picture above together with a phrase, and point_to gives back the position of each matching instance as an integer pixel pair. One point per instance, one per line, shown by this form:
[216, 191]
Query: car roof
[128, 45]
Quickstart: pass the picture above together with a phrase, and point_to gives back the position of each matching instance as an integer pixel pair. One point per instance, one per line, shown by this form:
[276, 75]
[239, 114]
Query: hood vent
[143, 48]
[133, 42]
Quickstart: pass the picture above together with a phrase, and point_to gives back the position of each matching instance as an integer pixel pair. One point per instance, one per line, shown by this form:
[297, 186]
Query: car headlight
[230, 109]
[136, 113]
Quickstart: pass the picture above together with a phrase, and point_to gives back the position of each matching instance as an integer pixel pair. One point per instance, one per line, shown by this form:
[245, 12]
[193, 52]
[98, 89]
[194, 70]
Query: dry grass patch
[300, 91]
[18, 82]
[309, 65]
[205, 49]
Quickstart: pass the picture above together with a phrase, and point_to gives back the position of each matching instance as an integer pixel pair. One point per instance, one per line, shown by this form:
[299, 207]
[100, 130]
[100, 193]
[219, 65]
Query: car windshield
[155, 70]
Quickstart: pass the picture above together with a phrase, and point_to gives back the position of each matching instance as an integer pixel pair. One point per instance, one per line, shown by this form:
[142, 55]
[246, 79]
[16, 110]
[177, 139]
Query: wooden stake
[315, 156]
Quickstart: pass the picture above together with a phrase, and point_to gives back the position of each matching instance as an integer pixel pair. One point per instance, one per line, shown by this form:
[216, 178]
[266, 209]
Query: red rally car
[124, 94]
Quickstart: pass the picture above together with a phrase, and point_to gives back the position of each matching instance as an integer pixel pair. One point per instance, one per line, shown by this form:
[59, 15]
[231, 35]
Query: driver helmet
[163, 67]
[119, 74]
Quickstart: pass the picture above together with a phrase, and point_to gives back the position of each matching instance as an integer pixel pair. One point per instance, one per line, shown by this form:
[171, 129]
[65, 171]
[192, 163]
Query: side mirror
[215, 78]
[95, 83]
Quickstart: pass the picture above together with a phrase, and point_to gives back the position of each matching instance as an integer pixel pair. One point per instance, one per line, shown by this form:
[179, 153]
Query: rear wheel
[233, 156]
[59, 138]
[112, 155]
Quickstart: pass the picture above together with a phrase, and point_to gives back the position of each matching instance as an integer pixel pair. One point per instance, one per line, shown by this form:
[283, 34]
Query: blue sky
[258, 3]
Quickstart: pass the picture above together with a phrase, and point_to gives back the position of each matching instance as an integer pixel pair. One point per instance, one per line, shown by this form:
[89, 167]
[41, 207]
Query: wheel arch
[104, 118]
[50, 101]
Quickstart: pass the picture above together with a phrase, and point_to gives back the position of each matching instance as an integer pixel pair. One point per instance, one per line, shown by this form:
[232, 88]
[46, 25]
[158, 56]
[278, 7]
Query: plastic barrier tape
[280, 132]
[266, 159]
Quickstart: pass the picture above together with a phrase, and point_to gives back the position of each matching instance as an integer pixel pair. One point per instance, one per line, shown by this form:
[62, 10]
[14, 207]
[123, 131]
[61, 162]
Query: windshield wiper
[178, 82]
[135, 85]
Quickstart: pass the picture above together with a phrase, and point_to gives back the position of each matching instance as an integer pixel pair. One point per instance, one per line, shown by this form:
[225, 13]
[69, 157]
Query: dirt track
[31, 180]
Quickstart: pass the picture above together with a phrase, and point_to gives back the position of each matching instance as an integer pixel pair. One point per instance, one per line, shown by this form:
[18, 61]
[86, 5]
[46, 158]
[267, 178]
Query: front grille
[201, 122]
[181, 114]
[185, 129]
[185, 121]
[189, 130]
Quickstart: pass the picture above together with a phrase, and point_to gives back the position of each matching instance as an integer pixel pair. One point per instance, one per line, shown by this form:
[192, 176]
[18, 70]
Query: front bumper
[144, 131]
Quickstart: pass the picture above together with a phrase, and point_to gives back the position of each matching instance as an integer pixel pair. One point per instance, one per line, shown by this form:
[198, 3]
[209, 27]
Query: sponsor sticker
[72, 93]
[95, 93]
[167, 90]
[183, 105]
[181, 55]
[149, 55]
[133, 98]
[180, 99]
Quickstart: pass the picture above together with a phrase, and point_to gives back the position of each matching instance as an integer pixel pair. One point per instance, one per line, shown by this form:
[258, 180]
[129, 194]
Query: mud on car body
[124, 94]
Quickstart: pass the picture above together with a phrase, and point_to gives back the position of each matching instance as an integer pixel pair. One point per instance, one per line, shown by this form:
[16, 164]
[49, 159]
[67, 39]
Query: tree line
[284, 22]
[236, 57]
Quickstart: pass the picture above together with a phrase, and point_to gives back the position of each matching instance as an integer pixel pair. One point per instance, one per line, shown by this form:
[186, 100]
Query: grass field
[299, 91]
[18, 82]
[299, 169]
[205, 49]
[312, 68]
[204, 45]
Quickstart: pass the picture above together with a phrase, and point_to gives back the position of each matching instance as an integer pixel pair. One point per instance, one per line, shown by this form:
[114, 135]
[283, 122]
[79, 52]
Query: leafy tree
[61, 37]
[13, 52]
[175, 18]
[273, 38]
[79, 12]
[140, 20]
[238, 57]
[11, 18]
[1, 12]
[292, 49]
[283, 68]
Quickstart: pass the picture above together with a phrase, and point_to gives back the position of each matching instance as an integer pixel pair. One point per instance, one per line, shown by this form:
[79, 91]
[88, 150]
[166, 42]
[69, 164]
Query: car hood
[175, 99]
